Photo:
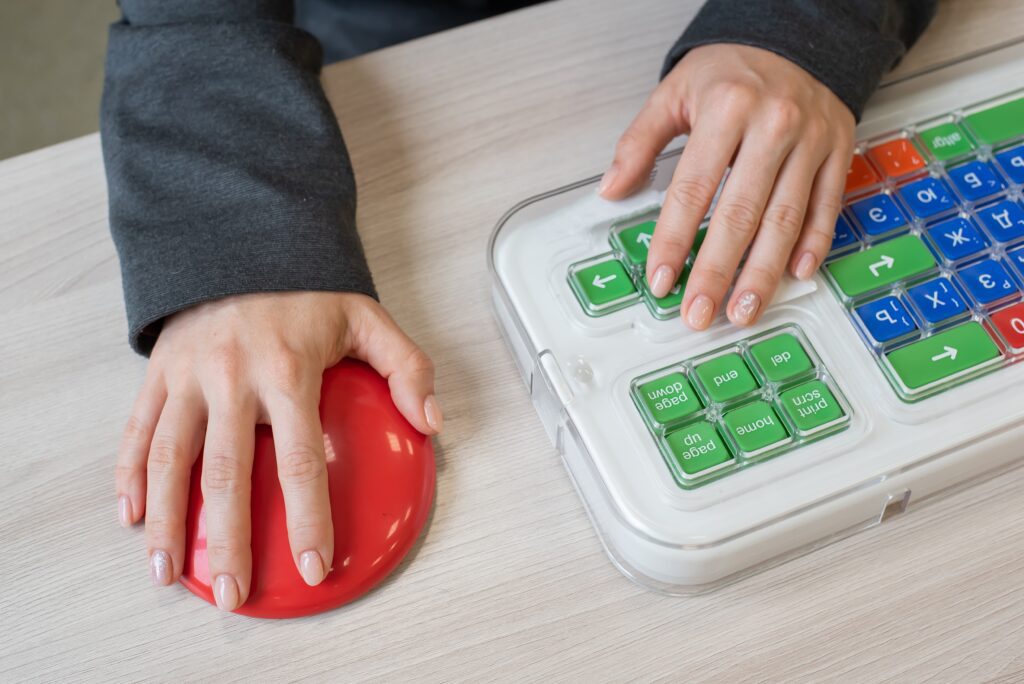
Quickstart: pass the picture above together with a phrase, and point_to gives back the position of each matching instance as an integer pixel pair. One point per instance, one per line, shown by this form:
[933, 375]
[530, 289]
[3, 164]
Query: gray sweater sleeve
[226, 170]
[846, 44]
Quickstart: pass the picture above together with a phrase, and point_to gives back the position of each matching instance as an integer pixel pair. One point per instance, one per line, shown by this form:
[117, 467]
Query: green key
[781, 357]
[634, 241]
[602, 286]
[726, 377]
[667, 306]
[1002, 122]
[946, 141]
[669, 398]
[942, 356]
[697, 448]
[755, 426]
[881, 265]
[811, 406]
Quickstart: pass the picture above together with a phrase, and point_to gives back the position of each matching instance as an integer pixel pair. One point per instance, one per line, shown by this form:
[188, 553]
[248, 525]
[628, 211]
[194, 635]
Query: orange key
[896, 158]
[860, 175]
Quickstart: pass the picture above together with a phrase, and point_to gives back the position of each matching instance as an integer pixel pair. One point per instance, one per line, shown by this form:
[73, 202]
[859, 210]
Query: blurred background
[51, 70]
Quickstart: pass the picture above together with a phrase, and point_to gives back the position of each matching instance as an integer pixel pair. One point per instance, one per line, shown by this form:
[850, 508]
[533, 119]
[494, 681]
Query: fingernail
[663, 280]
[160, 570]
[608, 178]
[312, 568]
[433, 413]
[700, 312]
[225, 591]
[124, 511]
[806, 266]
[746, 307]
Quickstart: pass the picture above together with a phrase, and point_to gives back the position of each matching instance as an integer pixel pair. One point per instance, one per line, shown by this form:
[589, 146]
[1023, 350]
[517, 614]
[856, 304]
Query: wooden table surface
[510, 582]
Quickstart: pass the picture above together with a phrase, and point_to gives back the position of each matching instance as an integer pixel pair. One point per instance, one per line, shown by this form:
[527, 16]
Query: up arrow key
[948, 353]
[601, 282]
[644, 239]
[884, 261]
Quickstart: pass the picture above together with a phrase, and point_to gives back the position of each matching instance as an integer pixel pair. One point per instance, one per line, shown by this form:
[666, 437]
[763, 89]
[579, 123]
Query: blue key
[1004, 220]
[937, 300]
[1012, 161]
[878, 214]
[988, 281]
[927, 197]
[1017, 258]
[976, 180]
[844, 236]
[957, 238]
[886, 319]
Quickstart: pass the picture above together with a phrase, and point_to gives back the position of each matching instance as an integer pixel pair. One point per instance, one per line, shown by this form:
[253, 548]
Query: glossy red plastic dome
[381, 479]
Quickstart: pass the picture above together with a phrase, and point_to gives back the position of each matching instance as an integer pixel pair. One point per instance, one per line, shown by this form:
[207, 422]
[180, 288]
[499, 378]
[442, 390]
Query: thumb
[377, 340]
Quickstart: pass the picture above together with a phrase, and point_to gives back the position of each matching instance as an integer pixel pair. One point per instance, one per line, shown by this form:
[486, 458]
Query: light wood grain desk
[510, 583]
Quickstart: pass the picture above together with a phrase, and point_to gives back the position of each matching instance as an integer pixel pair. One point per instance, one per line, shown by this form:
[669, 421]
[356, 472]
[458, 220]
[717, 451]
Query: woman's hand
[789, 141]
[216, 371]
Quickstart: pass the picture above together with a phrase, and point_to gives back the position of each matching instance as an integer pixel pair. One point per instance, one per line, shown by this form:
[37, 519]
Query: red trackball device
[381, 474]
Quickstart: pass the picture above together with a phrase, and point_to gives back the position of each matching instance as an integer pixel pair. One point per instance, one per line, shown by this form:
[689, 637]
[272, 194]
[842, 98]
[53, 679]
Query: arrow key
[602, 285]
[881, 265]
[633, 241]
[959, 351]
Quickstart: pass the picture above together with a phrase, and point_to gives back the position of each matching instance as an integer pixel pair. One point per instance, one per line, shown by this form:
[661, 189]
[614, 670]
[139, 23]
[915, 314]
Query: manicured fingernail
[124, 511]
[160, 570]
[699, 314]
[661, 283]
[608, 178]
[311, 567]
[433, 413]
[746, 308]
[806, 266]
[225, 591]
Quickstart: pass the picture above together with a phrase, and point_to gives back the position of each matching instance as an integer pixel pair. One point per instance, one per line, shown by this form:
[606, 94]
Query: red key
[1010, 323]
[896, 158]
[860, 175]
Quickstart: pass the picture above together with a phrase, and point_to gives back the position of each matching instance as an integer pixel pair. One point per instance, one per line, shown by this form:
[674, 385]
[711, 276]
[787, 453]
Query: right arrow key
[962, 350]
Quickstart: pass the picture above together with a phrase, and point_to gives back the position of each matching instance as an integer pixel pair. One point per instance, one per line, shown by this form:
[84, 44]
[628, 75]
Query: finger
[822, 211]
[227, 485]
[130, 475]
[648, 134]
[381, 343]
[696, 178]
[733, 224]
[302, 471]
[173, 451]
[780, 227]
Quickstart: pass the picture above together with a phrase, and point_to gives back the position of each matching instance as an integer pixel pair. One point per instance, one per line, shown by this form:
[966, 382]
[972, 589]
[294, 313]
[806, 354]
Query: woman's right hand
[220, 368]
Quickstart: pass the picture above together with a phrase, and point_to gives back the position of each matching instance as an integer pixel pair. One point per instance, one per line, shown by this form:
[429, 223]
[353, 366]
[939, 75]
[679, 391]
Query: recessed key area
[723, 411]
